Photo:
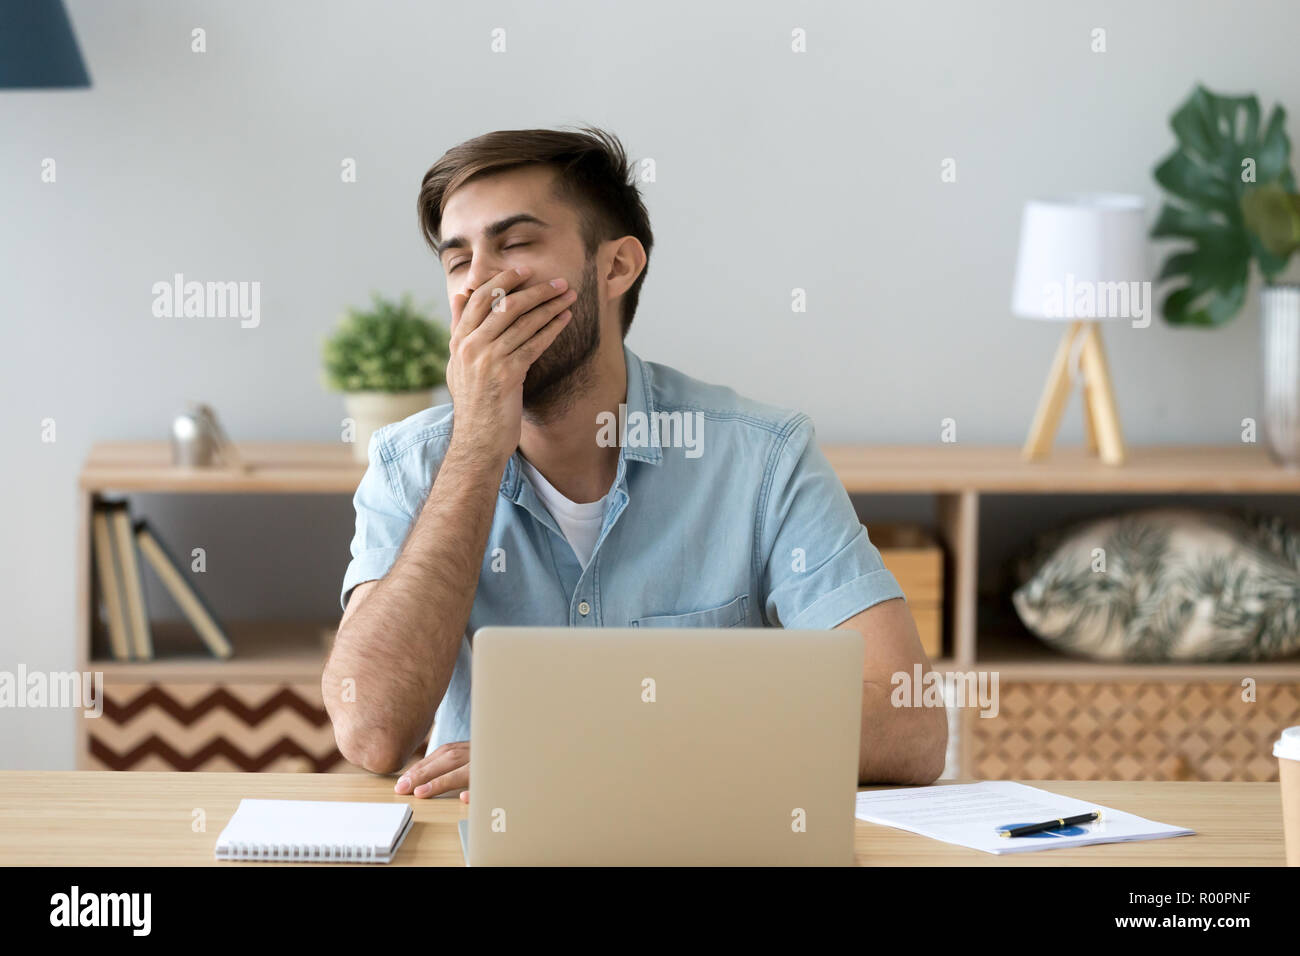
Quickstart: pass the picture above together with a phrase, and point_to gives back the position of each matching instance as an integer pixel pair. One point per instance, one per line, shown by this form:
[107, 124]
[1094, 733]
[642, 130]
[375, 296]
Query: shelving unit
[1059, 714]
[1063, 717]
[260, 710]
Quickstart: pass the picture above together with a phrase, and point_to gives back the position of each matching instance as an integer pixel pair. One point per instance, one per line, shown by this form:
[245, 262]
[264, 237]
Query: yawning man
[570, 482]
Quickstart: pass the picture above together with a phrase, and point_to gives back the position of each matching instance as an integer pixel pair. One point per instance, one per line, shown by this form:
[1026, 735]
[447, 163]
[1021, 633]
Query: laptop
[663, 747]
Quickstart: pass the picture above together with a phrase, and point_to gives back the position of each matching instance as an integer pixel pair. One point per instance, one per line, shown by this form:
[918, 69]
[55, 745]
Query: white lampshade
[1074, 251]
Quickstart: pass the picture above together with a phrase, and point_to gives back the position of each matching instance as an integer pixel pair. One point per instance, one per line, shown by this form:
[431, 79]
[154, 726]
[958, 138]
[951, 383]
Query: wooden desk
[102, 819]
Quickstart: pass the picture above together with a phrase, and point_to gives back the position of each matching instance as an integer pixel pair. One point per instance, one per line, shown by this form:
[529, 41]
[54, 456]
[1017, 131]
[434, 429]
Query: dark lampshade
[37, 47]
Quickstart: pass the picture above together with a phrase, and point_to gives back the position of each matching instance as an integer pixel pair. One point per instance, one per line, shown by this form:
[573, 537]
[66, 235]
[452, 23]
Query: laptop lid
[642, 746]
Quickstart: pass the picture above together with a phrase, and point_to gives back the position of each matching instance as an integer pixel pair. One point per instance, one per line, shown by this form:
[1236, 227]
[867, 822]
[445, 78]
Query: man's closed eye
[460, 262]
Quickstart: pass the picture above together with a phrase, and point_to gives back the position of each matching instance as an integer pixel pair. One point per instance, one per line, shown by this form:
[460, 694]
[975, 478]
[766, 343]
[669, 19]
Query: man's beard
[563, 371]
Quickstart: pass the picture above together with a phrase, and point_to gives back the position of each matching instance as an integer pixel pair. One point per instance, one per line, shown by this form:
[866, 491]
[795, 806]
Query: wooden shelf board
[274, 468]
[264, 651]
[325, 467]
[1163, 469]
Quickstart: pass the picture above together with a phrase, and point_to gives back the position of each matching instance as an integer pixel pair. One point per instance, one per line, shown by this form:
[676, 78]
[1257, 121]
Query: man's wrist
[478, 462]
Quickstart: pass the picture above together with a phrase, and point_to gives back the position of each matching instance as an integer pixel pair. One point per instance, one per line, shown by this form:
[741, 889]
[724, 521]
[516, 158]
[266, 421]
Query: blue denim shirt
[741, 524]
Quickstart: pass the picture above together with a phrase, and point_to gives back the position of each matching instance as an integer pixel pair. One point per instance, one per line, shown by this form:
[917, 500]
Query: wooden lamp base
[1100, 417]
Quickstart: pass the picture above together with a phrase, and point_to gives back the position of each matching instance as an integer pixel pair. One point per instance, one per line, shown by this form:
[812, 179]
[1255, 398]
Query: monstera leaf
[1222, 157]
[1273, 214]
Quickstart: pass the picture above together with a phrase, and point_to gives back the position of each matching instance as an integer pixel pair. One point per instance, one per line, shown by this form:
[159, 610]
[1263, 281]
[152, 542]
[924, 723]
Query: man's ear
[624, 260]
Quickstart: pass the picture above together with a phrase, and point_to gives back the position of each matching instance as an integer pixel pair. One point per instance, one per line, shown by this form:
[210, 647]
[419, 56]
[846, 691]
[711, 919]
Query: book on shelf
[135, 611]
[191, 602]
[109, 584]
[121, 589]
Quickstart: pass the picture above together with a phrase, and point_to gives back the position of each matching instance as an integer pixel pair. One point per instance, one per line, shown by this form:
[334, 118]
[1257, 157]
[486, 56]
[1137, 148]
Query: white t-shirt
[580, 522]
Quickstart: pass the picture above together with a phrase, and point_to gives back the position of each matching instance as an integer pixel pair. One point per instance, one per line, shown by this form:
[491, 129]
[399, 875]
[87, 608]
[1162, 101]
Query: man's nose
[480, 271]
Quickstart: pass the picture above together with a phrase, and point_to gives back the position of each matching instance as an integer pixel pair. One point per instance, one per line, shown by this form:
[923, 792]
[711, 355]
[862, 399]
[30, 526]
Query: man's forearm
[898, 744]
[904, 745]
[400, 646]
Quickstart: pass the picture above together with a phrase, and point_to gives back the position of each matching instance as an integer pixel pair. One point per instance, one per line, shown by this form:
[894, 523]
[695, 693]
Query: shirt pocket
[731, 614]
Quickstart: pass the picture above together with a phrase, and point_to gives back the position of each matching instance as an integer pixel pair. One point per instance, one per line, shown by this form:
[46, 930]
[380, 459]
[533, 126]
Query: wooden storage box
[259, 711]
[1132, 730]
[916, 560]
[245, 726]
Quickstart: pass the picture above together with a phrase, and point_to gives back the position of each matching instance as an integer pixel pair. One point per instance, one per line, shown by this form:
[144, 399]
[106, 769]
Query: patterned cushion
[1166, 585]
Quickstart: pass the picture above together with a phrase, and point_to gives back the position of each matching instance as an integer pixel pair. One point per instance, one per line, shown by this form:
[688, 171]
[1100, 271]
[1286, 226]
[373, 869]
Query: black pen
[1031, 828]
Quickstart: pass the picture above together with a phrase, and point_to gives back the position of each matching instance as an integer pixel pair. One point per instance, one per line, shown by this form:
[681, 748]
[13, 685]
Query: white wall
[775, 171]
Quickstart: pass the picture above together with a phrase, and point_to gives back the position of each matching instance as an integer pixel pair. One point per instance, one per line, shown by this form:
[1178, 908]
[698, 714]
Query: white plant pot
[371, 411]
[1280, 309]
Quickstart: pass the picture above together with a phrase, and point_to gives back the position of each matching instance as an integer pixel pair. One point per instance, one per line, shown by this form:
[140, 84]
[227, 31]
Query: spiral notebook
[310, 831]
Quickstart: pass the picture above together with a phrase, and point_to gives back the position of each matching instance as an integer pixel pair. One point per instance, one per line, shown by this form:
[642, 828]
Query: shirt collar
[640, 401]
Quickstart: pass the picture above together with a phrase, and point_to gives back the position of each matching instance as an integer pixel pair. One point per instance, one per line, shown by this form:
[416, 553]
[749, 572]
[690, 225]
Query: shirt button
[584, 608]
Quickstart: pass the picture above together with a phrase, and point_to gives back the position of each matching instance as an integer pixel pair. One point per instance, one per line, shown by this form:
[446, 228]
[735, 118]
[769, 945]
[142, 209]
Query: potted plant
[389, 361]
[1232, 199]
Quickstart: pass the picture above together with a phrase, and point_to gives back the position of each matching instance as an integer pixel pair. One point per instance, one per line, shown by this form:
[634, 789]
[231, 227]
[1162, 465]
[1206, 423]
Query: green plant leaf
[1274, 153]
[1197, 182]
[1209, 204]
[1273, 216]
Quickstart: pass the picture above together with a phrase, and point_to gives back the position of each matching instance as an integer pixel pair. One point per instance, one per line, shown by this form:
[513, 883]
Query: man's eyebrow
[492, 231]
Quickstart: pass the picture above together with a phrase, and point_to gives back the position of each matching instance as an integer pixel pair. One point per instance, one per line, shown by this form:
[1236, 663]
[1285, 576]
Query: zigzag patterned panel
[235, 727]
[1155, 730]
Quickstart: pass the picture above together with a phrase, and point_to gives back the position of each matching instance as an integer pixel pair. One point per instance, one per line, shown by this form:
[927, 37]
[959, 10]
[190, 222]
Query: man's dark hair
[593, 174]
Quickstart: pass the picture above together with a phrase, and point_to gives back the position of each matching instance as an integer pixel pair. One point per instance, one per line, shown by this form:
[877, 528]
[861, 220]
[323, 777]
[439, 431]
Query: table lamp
[1083, 259]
